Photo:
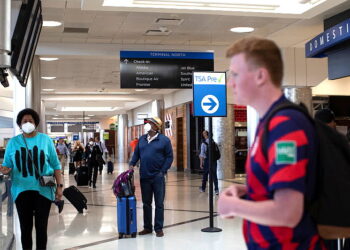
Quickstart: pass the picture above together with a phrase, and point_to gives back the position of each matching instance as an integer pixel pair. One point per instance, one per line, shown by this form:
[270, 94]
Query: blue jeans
[149, 187]
[214, 167]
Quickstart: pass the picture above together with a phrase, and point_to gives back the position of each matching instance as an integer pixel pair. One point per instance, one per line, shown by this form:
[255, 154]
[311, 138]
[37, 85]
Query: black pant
[93, 168]
[149, 187]
[29, 204]
[214, 167]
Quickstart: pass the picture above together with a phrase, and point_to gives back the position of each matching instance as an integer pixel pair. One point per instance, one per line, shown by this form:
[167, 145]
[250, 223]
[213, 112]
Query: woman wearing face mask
[92, 151]
[29, 156]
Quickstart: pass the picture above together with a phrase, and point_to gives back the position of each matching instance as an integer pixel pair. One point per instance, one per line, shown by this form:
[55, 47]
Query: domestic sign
[328, 39]
[162, 70]
[209, 94]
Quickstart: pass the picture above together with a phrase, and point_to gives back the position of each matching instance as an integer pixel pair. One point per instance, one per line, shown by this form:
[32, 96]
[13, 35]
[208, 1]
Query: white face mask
[147, 127]
[28, 127]
[91, 143]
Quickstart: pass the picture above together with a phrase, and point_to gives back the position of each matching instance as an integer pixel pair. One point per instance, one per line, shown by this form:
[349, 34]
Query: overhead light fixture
[141, 90]
[70, 118]
[93, 93]
[242, 29]
[91, 115]
[90, 98]
[56, 115]
[48, 59]
[51, 23]
[97, 109]
[48, 90]
[48, 77]
[203, 6]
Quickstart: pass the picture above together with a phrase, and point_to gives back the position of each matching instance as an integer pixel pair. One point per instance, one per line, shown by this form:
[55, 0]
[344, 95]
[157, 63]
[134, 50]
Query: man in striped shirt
[272, 201]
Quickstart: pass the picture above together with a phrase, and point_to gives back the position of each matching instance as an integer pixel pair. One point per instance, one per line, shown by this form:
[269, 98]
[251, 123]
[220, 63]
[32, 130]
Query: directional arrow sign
[209, 93]
[210, 104]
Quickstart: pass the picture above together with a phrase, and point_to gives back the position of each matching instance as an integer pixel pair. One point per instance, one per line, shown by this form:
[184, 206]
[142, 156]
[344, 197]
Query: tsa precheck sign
[209, 94]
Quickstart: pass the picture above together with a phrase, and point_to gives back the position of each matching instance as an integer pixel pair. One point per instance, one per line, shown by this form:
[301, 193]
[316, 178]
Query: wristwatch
[60, 185]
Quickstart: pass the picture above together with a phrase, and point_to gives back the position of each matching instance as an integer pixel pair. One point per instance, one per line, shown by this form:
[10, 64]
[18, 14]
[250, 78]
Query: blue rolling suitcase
[126, 214]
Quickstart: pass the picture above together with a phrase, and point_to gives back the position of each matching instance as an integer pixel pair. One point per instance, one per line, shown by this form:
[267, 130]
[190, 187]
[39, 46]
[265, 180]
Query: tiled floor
[185, 215]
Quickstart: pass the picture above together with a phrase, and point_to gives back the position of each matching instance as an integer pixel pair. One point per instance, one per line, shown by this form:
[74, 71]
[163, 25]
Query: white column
[252, 124]
[19, 100]
[122, 138]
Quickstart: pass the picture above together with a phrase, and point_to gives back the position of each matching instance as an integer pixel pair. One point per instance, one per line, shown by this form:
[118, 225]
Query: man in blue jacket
[155, 153]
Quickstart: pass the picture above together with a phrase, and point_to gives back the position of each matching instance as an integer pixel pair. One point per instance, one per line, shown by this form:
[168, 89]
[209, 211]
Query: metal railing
[7, 237]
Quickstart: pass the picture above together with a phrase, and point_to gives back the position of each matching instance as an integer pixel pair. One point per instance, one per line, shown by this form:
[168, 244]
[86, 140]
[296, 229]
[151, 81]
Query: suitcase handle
[131, 217]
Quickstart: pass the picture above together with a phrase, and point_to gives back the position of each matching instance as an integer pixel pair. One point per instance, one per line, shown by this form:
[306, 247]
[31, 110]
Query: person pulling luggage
[92, 155]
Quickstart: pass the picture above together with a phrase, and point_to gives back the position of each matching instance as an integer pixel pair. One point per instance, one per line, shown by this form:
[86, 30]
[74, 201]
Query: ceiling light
[89, 98]
[141, 90]
[49, 90]
[89, 108]
[91, 115]
[242, 29]
[48, 77]
[93, 93]
[48, 59]
[70, 118]
[55, 115]
[51, 24]
[202, 6]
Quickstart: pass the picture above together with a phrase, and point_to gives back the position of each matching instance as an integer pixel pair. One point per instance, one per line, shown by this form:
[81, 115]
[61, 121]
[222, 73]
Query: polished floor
[186, 213]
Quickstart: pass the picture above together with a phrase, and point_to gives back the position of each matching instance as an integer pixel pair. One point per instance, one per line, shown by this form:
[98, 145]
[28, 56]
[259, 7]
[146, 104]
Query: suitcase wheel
[133, 235]
[80, 211]
[121, 236]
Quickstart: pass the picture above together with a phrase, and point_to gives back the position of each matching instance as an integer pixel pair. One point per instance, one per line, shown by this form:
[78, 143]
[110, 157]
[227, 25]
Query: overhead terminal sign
[331, 37]
[162, 70]
[209, 94]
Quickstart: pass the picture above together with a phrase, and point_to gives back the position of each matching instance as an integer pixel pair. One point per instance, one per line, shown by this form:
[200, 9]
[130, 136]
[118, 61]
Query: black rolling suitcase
[82, 176]
[75, 197]
[110, 167]
[71, 168]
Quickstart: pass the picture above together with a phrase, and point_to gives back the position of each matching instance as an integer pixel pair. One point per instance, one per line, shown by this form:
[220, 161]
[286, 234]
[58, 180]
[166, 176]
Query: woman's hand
[59, 193]
[5, 170]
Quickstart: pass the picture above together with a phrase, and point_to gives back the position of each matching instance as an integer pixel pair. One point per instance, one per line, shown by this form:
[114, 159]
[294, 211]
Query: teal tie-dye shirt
[24, 176]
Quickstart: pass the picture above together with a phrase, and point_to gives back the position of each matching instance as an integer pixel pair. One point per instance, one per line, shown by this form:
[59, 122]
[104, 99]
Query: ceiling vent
[75, 30]
[158, 32]
[169, 21]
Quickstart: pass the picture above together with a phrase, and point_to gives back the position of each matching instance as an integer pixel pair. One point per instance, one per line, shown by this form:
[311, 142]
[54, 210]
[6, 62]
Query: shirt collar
[149, 138]
[279, 101]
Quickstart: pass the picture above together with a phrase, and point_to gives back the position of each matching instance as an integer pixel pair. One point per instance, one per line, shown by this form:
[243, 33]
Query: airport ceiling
[91, 35]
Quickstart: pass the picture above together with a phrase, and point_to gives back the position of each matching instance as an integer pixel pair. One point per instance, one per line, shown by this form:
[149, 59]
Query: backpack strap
[285, 105]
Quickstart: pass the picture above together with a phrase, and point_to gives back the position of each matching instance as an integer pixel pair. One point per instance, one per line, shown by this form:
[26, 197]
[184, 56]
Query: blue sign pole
[209, 99]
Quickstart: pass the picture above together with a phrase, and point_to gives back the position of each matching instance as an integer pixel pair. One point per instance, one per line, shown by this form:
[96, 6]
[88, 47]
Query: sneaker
[94, 186]
[145, 231]
[217, 192]
[201, 190]
[160, 233]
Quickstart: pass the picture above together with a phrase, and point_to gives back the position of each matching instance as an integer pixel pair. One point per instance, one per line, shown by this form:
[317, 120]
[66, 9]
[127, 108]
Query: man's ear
[261, 76]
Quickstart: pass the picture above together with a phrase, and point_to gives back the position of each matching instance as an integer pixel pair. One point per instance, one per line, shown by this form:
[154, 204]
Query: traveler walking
[63, 153]
[101, 160]
[204, 163]
[92, 155]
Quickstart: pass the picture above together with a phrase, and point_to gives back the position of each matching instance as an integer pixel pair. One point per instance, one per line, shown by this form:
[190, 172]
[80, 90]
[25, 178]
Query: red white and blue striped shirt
[291, 153]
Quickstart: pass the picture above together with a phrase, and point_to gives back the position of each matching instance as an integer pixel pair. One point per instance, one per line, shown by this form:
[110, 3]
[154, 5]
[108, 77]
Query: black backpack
[328, 199]
[215, 152]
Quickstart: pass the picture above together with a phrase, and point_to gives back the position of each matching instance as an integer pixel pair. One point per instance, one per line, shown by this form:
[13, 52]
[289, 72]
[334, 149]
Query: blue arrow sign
[212, 103]
[209, 93]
